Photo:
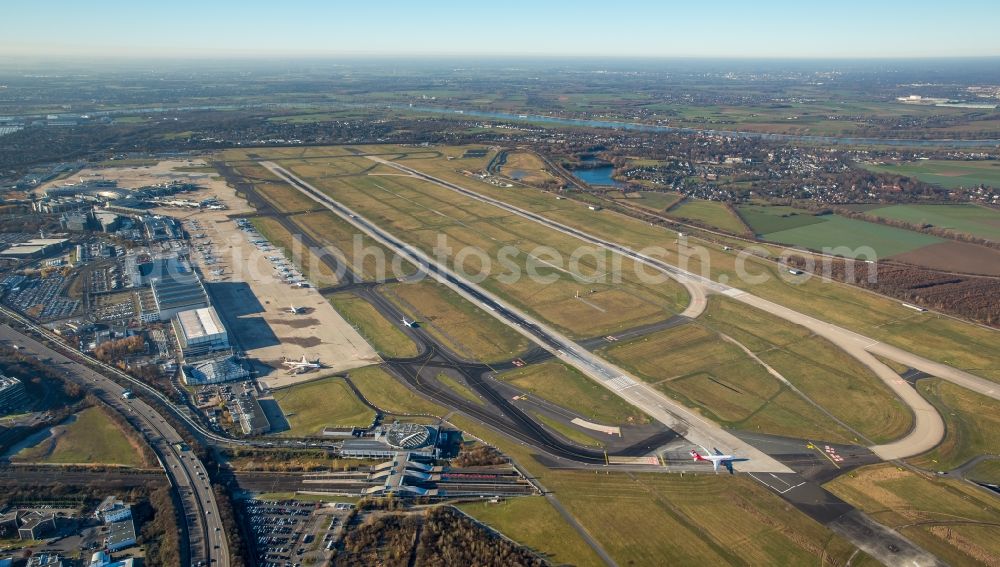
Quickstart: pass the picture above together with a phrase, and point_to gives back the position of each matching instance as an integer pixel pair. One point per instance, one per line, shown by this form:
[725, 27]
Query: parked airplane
[717, 458]
[296, 310]
[300, 366]
[410, 324]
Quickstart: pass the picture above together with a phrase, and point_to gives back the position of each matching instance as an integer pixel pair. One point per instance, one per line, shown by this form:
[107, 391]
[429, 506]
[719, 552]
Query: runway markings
[620, 383]
[776, 487]
[812, 445]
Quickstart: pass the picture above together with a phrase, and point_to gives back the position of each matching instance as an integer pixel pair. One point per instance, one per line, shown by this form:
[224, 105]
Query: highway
[928, 427]
[205, 534]
[684, 421]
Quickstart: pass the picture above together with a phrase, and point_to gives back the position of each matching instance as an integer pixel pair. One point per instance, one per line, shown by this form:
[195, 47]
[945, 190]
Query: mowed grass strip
[986, 471]
[276, 192]
[711, 213]
[327, 402]
[367, 258]
[423, 213]
[92, 438]
[821, 370]
[972, 425]
[570, 432]
[693, 364]
[461, 326]
[566, 386]
[385, 392]
[459, 388]
[655, 519]
[381, 333]
[533, 522]
[954, 520]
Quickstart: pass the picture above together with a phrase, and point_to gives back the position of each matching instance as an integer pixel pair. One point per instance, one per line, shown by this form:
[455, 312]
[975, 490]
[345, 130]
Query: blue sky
[723, 28]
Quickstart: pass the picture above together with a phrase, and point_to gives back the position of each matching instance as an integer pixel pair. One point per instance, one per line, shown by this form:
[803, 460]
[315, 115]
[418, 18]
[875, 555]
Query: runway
[689, 424]
[928, 427]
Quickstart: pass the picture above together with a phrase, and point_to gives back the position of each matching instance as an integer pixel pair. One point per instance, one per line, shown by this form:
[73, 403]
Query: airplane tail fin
[696, 456]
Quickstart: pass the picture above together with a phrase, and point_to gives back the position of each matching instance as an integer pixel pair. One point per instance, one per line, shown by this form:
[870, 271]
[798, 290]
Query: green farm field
[946, 173]
[711, 213]
[965, 218]
[833, 231]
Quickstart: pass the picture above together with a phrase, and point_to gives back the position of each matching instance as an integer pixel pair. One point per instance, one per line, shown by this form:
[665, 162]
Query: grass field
[92, 438]
[765, 219]
[972, 425]
[327, 402]
[969, 219]
[938, 338]
[946, 173]
[382, 334]
[459, 388]
[711, 213]
[655, 200]
[958, 522]
[533, 522]
[566, 386]
[425, 212]
[526, 167]
[367, 258]
[460, 325]
[693, 364]
[570, 432]
[651, 519]
[986, 471]
[835, 231]
[825, 373]
[383, 391]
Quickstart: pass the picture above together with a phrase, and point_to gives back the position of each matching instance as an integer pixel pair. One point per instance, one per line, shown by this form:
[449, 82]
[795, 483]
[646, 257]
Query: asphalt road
[206, 536]
[694, 427]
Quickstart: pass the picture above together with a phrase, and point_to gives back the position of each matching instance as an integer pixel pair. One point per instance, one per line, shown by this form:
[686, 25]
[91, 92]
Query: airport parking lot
[292, 533]
[40, 297]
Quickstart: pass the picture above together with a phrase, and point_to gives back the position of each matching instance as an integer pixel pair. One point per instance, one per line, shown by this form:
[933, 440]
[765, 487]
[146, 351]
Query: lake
[596, 176]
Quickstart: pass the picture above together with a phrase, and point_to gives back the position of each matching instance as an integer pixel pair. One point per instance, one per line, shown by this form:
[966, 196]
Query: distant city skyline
[183, 28]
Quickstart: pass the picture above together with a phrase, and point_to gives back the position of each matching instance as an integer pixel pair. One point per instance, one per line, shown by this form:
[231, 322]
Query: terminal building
[200, 332]
[418, 441]
[213, 370]
[175, 288]
[12, 395]
[34, 248]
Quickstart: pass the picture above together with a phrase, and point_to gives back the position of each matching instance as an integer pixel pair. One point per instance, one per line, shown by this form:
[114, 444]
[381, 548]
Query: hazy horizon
[630, 29]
